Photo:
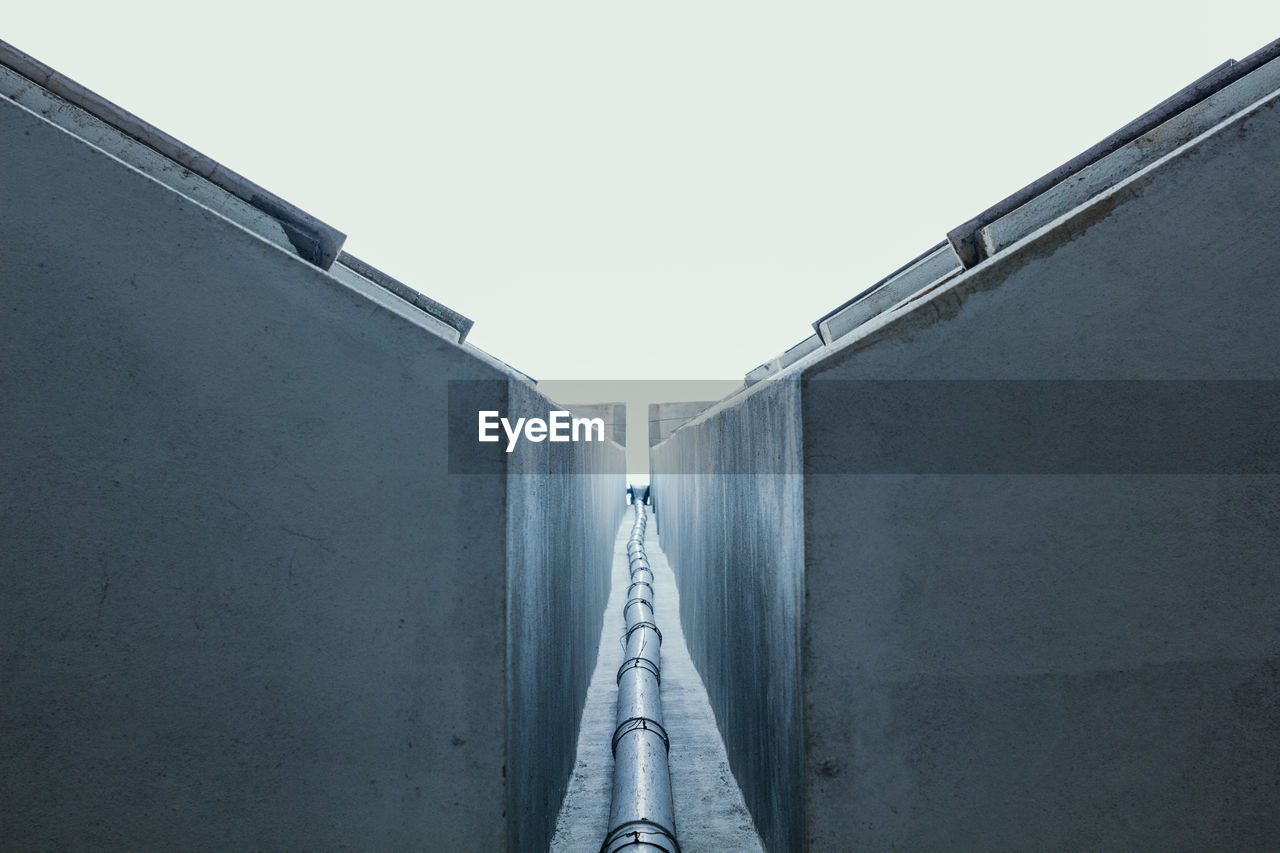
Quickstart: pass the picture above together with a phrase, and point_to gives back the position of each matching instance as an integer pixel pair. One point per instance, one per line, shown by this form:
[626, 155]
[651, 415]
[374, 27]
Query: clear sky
[581, 177]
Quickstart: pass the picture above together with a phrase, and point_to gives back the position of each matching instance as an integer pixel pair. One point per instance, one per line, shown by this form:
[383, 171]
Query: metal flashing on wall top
[795, 352]
[761, 372]
[1227, 89]
[781, 362]
[1129, 159]
[935, 265]
[441, 312]
[967, 239]
[314, 241]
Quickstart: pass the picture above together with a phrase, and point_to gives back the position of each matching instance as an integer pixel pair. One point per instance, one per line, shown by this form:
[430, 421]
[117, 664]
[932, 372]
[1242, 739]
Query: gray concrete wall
[734, 542]
[666, 418]
[1058, 661]
[614, 416]
[1048, 661]
[246, 604]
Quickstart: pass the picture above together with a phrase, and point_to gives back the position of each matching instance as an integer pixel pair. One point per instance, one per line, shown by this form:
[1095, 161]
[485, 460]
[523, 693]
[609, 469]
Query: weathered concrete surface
[734, 541]
[967, 237]
[666, 418]
[1142, 151]
[110, 139]
[246, 605]
[710, 813]
[1059, 661]
[614, 416]
[1023, 661]
[92, 117]
[565, 501]
[781, 362]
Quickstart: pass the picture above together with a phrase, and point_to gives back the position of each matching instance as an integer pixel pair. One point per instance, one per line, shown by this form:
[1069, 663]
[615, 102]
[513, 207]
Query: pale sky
[578, 177]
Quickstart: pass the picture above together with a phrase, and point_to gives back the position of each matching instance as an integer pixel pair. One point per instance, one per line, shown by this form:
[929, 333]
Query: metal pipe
[642, 817]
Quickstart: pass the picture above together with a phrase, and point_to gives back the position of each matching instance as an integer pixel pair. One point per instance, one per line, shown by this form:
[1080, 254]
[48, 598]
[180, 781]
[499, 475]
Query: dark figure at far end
[635, 493]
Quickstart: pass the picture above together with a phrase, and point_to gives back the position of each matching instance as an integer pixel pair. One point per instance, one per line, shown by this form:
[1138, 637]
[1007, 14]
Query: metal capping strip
[313, 240]
[817, 324]
[971, 243]
[966, 239]
[443, 313]
[761, 372]
[788, 357]
[937, 264]
[798, 351]
[1174, 133]
[924, 261]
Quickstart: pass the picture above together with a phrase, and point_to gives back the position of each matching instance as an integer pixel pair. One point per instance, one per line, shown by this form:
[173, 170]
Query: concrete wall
[666, 418]
[246, 604]
[1065, 660]
[614, 416]
[734, 541]
[1020, 660]
[565, 502]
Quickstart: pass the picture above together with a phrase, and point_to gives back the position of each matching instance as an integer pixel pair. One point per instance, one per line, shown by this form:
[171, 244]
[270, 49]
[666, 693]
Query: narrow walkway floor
[711, 816]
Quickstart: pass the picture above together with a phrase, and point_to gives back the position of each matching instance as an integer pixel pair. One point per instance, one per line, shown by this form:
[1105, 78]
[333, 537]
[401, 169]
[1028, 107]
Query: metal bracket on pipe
[636, 627]
[639, 663]
[653, 835]
[639, 724]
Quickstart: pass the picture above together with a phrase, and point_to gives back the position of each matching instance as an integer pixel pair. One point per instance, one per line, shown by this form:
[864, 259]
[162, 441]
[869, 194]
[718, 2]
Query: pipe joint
[640, 724]
[641, 835]
[639, 625]
[639, 663]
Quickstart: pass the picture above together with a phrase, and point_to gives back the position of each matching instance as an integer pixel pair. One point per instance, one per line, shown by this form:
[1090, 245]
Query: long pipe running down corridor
[642, 816]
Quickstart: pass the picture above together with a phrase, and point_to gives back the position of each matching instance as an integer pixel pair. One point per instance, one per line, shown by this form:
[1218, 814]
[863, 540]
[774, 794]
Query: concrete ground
[710, 813]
